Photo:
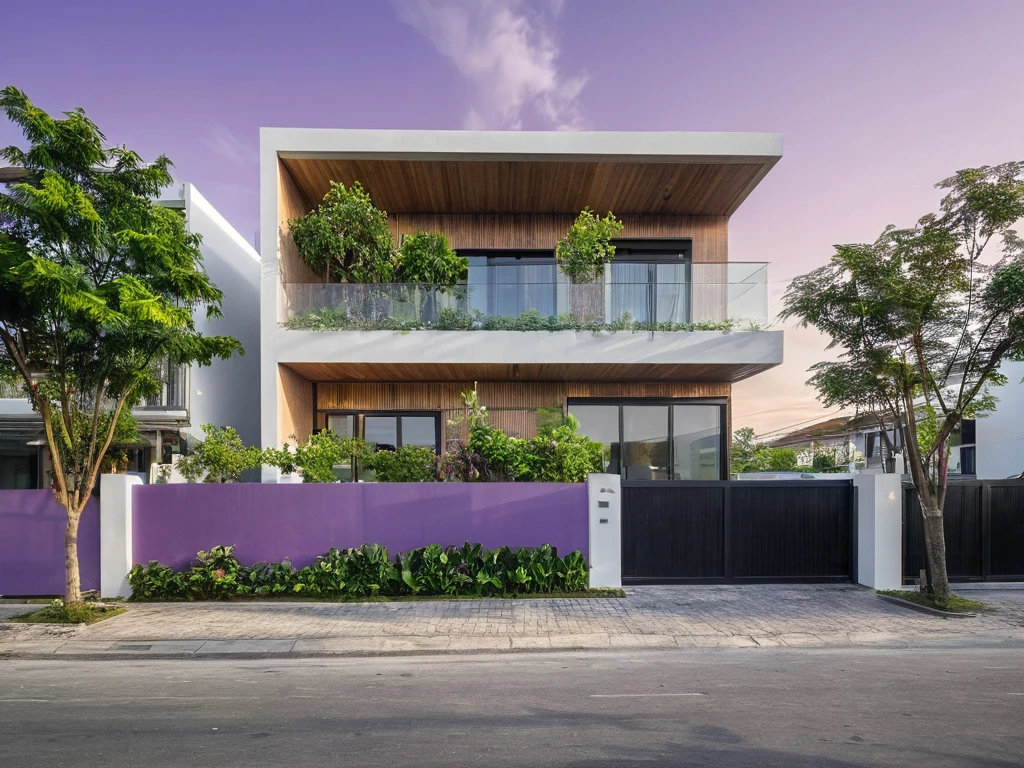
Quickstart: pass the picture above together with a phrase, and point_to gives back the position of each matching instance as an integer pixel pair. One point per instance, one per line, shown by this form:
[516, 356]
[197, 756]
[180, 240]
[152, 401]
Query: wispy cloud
[507, 50]
[226, 143]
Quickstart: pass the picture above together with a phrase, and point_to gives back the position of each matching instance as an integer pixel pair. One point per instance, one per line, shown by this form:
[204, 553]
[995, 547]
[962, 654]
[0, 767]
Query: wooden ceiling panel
[505, 186]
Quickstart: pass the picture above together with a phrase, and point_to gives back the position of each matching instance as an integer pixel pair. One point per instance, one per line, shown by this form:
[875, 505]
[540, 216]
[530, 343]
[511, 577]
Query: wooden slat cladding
[511, 405]
[612, 374]
[294, 406]
[291, 204]
[710, 234]
[504, 186]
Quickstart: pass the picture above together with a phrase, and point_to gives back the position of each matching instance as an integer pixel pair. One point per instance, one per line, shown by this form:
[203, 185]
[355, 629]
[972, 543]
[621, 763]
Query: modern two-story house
[654, 391]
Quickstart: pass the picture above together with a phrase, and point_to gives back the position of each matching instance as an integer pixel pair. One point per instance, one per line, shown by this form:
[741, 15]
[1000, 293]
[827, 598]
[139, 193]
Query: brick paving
[752, 615]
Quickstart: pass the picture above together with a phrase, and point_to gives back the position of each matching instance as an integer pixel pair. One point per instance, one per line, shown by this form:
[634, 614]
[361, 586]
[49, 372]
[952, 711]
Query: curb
[926, 609]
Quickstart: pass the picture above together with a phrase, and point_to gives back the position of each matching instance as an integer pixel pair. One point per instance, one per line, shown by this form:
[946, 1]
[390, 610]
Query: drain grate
[133, 647]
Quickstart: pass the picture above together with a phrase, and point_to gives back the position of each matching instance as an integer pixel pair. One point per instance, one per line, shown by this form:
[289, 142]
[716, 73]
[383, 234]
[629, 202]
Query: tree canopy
[923, 317]
[97, 283]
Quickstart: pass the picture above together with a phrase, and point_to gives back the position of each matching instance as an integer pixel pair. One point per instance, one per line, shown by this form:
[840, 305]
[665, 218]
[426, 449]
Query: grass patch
[598, 592]
[954, 603]
[59, 613]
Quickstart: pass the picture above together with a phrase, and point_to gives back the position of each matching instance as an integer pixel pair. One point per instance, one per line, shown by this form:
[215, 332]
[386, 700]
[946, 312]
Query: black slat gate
[738, 531]
[984, 525]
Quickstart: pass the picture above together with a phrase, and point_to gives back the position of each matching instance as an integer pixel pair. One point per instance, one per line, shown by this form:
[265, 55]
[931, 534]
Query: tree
[587, 246]
[346, 238]
[97, 283]
[426, 257]
[923, 323]
[743, 446]
[221, 458]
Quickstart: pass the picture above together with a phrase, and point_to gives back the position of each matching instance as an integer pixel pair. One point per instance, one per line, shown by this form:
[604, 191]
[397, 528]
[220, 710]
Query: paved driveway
[754, 615]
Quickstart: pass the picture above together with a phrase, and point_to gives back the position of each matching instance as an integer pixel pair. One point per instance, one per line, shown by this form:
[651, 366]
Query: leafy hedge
[449, 319]
[368, 571]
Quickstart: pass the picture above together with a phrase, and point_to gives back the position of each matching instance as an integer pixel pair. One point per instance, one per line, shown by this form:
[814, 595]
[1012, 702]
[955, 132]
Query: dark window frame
[723, 424]
[358, 423]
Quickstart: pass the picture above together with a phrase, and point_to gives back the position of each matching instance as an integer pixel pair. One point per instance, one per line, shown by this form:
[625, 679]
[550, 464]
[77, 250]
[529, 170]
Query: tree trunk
[72, 580]
[935, 548]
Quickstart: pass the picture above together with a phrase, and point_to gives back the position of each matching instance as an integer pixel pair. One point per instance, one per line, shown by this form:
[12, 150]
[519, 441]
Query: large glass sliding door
[662, 440]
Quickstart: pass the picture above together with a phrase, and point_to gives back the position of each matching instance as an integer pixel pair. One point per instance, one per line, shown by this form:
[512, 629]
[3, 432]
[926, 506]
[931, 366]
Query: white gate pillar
[879, 530]
[604, 500]
[116, 533]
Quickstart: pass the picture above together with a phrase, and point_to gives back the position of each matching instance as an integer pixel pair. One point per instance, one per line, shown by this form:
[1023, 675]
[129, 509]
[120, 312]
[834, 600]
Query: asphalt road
[789, 707]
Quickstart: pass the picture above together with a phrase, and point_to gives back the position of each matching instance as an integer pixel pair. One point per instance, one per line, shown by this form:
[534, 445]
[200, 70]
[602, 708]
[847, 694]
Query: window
[671, 440]
[967, 460]
[387, 430]
[696, 442]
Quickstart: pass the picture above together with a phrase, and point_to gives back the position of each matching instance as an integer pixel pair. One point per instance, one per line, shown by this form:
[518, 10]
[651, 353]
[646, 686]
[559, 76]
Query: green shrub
[409, 464]
[367, 571]
[221, 458]
[318, 456]
[560, 455]
[157, 582]
[426, 257]
[270, 578]
[58, 612]
[216, 574]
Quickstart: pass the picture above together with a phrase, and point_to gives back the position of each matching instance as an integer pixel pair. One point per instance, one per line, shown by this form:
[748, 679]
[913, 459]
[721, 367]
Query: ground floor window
[18, 471]
[387, 430]
[656, 440]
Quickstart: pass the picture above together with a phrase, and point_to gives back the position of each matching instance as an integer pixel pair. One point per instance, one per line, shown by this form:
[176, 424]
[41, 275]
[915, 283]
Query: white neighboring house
[226, 393]
[999, 437]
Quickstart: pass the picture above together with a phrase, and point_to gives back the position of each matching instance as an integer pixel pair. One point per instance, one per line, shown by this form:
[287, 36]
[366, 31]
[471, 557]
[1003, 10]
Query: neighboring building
[659, 400]
[999, 436]
[857, 439]
[225, 393]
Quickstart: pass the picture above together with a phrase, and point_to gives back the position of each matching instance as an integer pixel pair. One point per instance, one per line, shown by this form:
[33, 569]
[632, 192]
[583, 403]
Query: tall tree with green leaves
[97, 283]
[923, 317]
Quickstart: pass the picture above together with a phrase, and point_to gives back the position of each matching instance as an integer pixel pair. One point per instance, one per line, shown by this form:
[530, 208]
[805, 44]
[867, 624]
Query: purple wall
[32, 527]
[271, 522]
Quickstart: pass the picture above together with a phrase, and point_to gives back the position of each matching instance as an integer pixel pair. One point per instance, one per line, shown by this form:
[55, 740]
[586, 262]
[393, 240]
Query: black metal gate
[984, 525]
[729, 531]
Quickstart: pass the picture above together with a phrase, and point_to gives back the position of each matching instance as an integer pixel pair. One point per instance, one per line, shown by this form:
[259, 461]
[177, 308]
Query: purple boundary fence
[32, 526]
[271, 522]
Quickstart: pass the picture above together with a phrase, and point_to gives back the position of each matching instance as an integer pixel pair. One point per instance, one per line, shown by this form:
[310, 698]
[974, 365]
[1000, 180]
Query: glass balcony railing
[653, 296]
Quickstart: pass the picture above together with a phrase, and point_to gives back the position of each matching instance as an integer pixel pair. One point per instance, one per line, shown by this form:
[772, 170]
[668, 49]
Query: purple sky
[877, 101]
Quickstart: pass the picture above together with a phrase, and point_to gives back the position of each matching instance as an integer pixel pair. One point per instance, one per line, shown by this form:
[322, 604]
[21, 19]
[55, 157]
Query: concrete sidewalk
[751, 616]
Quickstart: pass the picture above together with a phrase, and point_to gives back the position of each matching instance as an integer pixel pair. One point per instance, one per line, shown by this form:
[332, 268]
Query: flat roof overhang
[528, 356]
[510, 172]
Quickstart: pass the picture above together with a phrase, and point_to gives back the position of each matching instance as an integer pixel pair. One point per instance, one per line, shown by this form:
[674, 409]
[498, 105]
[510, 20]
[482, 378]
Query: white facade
[227, 393]
[1000, 435]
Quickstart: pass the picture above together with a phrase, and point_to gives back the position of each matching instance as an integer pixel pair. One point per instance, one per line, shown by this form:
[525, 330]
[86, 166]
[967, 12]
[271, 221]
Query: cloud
[224, 142]
[508, 52]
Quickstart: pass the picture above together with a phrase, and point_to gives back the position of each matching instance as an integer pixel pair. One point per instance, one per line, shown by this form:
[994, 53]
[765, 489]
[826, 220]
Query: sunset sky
[876, 101]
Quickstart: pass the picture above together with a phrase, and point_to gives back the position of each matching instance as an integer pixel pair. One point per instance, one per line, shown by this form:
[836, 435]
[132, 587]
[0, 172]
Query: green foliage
[367, 571]
[269, 578]
[157, 582]
[451, 319]
[318, 456]
[922, 321]
[59, 612]
[426, 257]
[216, 574]
[97, 283]
[221, 458]
[587, 247]
[750, 456]
[558, 454]
[346, 237]
[409, 464]
[953, 603]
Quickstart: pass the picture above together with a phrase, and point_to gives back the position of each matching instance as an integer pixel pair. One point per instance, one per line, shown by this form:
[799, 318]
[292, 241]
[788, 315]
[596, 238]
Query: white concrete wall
[604, 494]
[227, 393]
[1000, 435]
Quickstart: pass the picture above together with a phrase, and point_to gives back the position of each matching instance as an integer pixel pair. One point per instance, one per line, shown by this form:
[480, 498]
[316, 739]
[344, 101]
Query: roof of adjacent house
[839, 426]
[661, 173]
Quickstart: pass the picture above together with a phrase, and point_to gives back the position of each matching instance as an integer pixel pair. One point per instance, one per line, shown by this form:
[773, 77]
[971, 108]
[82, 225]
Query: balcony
[528, 296]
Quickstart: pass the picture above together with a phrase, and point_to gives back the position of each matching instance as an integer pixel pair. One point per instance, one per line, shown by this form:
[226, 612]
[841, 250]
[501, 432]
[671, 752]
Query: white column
[605, 508]
[879, 530]
[116, 533]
